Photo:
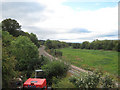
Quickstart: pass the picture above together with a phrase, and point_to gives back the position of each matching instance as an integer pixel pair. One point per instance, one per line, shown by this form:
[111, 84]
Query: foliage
[12, 26]
[54, 52]
[73, 79]
[6, 38]
[54, 44]
[107, 81]
[64, 83]
[34, 39]
[19, 54]
[41, 42]
[26, 53]
[8, 71]
[43, 61]
[98, 44]
[8, 60]
[76, 45]
[93, 80]
[54, 69]
[85, 45]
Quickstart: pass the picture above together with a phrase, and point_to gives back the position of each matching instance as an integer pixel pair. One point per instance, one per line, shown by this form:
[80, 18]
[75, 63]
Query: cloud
[79, 30]
[26, 13]
[41, 32]
[113, 34]
[51, 19]
[67, 0]
[101, 20]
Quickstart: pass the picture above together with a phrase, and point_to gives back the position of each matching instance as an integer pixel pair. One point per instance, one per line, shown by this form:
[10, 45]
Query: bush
[64, 83]
[54, 69]
[73, 79]
[55, 53]
[107, 82]
[94, 80]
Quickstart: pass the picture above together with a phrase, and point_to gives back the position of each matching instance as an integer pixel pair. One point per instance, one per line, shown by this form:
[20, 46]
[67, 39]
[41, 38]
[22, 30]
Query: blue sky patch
[89, 5]
[79, 30]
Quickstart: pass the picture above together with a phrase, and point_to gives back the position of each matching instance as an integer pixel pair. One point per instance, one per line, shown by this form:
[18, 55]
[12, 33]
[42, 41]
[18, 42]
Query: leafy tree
[8, 68]
[85, 45]
[101, 44]
[12, 26]
[48, 44]
[55, 44]
[41, 42]
[8, 60]
[6, 38]
[26, 53]
[34, 39]
[76, 45]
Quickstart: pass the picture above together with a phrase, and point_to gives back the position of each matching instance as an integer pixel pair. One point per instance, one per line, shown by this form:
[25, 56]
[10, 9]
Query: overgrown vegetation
[55, 69]
[54, 52]
[63, 83]
[94, 80]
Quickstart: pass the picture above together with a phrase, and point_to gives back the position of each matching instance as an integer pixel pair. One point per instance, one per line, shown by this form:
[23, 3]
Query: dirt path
[73, 68]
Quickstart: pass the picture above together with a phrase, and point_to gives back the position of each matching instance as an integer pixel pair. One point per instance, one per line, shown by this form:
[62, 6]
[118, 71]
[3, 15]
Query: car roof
[36, 81]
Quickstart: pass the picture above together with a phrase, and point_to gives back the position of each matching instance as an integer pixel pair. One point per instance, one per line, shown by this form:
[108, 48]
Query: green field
[107, 61]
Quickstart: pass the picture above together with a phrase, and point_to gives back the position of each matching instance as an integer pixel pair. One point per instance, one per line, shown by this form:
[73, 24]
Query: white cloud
[61, 19]
[101, 21]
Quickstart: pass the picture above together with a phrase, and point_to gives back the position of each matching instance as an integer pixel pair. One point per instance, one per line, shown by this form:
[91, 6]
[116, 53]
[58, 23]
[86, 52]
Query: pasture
[107, 61]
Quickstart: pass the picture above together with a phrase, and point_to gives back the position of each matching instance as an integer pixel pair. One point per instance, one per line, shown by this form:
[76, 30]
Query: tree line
[99, 45]
[55, 44]
[95, 45]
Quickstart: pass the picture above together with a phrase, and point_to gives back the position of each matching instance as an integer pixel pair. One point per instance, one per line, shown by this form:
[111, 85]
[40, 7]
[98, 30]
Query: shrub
[55, 53]
[73, 79]
[107, 81]
[64, 83]
[94, 80]
[55, 69]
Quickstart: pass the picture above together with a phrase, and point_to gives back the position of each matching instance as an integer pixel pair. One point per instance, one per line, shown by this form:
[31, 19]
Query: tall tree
[8, 60]
[26, 53]
[12, 26]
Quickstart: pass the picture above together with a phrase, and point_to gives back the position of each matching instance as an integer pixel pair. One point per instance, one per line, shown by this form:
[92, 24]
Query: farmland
[107, 61]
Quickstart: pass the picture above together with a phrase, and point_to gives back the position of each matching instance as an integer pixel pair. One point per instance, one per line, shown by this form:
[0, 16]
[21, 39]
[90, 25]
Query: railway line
[73, 69]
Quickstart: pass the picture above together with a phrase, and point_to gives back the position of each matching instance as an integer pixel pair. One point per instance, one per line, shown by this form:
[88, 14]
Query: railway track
[73, 68]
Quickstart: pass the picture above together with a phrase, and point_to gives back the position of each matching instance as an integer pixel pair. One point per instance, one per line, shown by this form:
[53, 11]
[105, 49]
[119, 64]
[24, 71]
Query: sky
[65, 20]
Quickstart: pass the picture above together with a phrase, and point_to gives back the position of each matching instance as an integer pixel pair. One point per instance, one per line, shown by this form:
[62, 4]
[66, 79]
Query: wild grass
[107, 61]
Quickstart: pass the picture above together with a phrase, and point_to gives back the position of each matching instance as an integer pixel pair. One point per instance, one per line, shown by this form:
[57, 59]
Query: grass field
[107, 61]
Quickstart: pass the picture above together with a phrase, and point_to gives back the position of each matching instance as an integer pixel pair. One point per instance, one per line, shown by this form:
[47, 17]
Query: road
[73, 69]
